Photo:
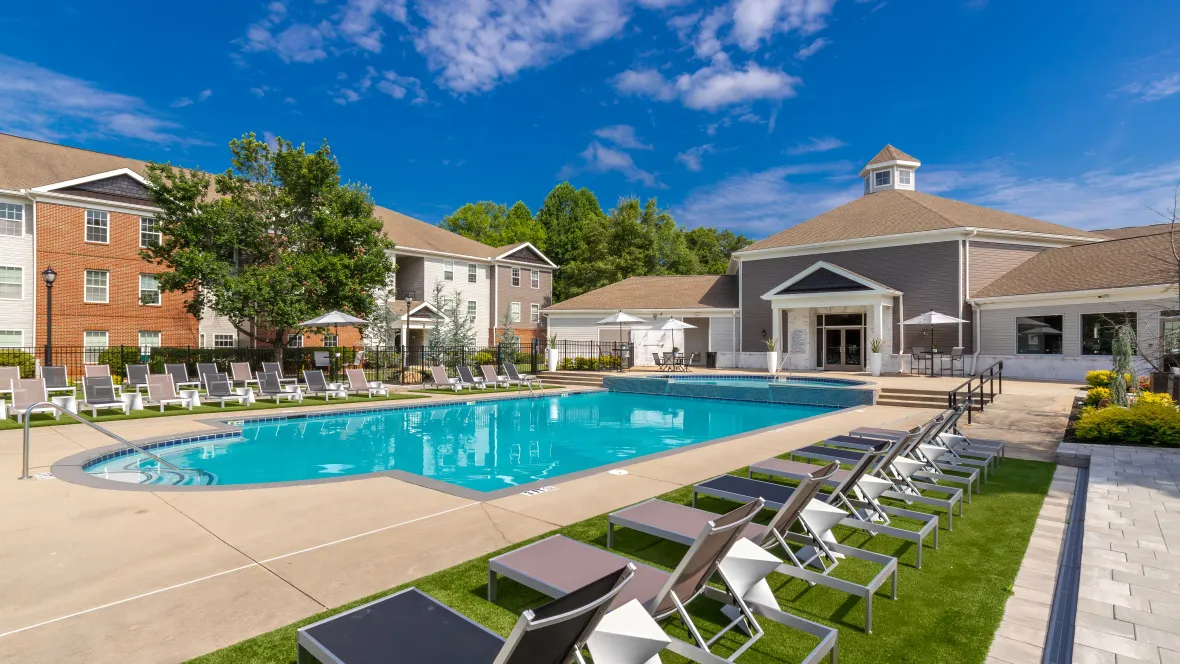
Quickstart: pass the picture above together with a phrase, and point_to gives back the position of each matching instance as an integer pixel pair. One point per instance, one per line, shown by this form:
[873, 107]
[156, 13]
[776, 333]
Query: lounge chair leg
[610, 535]
[894, 582]
[869, 614]
[491, 586]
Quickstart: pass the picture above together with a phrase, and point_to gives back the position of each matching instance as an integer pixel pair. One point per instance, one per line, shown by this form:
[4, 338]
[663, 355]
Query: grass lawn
[466, 391]
[946, 612]
[44, 420]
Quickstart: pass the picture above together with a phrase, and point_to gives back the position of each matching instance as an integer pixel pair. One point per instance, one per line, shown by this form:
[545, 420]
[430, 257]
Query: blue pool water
[484, 445]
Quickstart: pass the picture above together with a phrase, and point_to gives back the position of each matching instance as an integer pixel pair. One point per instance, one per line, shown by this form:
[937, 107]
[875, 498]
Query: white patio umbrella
[932, 318]
[334, 319]
[674, 324]
[620, 319]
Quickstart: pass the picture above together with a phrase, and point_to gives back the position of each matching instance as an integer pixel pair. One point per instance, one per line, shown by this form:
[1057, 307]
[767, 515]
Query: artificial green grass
[47, 420]
[945, 612]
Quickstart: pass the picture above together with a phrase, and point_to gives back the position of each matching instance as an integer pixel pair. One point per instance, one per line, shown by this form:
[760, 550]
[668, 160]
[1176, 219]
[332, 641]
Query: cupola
[890, 169]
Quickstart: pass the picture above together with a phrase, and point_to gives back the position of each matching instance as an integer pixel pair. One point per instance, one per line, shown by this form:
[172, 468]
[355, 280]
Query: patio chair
[439, 377]
[218, 386]
[57, 380]
[466, 376]
[558, 565]
[681, 523]
[490, 377]
[180, 377]
[162, 392]
[659, 360]
[935, 469]
[955, 358]
[269, 386]
[317, 385]
[26, 393]
[242, 374]
[137, 376]
[413, 627]
[91, 370]
[920, 356]
[277, 369]
[99, 392]
[519, 378]
[8, 376]
[204, 369]
[357, 382]
[321, 359]
[960, 451]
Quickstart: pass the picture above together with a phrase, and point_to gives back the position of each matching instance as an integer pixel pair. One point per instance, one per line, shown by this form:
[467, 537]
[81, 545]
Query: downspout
[965, 282]
[33, 277]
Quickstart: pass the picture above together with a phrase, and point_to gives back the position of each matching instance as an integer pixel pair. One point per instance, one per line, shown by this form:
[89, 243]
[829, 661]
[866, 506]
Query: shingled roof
[890, 153]
[897, 212]
[673, 292]
[1138, 261]
[410, 233]
[1135, 231]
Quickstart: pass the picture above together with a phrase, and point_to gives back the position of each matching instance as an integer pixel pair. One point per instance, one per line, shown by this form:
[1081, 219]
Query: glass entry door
[843, 349]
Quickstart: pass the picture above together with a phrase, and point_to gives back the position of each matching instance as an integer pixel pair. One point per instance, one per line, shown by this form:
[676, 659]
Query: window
[11, 283]
[881, 179]
[1038, 335]
[12, 217]
[448, 270]
[94, 342]
[331, 341]
[201, 343]
[149, 236]
[294, 341]
[148, 341]
[11, 338]
[535, 278]
[515, 276]
[97, 286]
[534, 313]
[472, 274]
[514, 311]
[472, 307]
[149, 290]
[904, 176]
[98, 226]
[1098, 331]
[224, 341]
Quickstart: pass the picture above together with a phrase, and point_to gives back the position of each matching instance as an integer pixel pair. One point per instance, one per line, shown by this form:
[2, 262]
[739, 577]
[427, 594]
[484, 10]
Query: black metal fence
[594, 355]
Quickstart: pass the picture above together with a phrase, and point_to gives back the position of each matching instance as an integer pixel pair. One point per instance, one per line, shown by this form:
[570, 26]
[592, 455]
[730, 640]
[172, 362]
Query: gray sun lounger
[204, 369]
[137, 376]
[162, 392]
[99, 392]
[218, 386]
[557, 565]
[411, 627]
[269, 386]
[180, 377]
[277, 369]
[440, 379]
[57, 380]
[959, 457]
[317, 385]
[681, 523]
[466, 376]
[490, 377]
[519, 378]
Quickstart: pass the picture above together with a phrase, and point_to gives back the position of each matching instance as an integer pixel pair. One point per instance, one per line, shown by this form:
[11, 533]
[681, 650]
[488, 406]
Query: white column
[776, 326]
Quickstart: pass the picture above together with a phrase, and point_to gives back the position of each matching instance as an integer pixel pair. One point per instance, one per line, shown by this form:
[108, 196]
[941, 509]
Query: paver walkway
[1129, 601]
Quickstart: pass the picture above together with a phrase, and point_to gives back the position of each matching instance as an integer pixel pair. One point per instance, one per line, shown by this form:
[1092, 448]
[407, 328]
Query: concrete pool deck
[100, 575]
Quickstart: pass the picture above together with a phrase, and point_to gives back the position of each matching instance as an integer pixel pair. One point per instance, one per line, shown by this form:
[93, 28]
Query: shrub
[19, 358]
[482, 357]
[1144, 423]
[1155, 397]
[1101, 378]
[1096, 395]
[118, 357]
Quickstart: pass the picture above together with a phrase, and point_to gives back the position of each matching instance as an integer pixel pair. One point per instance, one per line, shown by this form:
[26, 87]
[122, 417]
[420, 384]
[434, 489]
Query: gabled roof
[898, 212]
[825, 277]
[667, 293]
[1138, 261]
[1135, 231]
[524, 252]
[26, 163]
[890, 153]
[410, 233]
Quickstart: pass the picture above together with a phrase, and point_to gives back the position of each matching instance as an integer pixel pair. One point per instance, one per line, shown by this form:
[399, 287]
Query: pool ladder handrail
[529, 384]
[28, 419]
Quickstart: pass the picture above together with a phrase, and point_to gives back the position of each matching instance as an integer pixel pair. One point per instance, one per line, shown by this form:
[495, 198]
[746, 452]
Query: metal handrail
[28, 419]
[994, 372]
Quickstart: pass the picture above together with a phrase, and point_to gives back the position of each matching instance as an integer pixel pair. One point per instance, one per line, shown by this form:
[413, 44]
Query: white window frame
[472, 309]
[534, 313]
[331, 340]
[514, 311]
[472, 273]
[86, 287]
[12, 213]
[905, 176]
[233, 340]
[516, 276]
[297, 338]
[201, 341]
[448, 270]
[159, 339]
[535, 278]
[91, 352]
[159, 297]
[153, 229]
[97, 215]
[888, 178]
[20, 338]
[20, 271]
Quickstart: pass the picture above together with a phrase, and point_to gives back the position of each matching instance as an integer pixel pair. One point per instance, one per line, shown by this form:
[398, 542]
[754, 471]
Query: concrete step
[914, 392]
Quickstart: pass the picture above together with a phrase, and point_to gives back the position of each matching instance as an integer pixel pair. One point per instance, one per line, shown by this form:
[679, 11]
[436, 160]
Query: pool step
[912, 398]
[572, 378]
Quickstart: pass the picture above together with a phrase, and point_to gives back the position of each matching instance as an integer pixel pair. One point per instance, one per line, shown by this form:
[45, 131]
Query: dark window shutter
[28, 218]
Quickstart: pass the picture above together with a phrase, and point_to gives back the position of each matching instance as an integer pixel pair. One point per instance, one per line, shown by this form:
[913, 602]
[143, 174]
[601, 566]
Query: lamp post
[49, 276]
[409, 302]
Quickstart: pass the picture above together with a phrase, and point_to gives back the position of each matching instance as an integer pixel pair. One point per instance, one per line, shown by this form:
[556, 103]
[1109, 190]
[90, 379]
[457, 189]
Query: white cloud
[814, 144]
[298, 42]
[477, 44]
[400, 87]
[181, 102]
[43, 104]
[1153, 90]
[599, 158]
[812, 48]
[691, 158]
[622, 136]
[750, 24]
[711, 87]
[260, 91]
[357, 21]
[205, 94]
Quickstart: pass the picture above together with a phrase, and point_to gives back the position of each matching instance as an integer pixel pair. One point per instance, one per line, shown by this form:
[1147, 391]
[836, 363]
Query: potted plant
[552, 354]
[771, 355]
[875, 356]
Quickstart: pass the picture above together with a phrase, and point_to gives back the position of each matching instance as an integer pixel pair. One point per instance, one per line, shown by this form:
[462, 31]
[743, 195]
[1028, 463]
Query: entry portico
[825, 316]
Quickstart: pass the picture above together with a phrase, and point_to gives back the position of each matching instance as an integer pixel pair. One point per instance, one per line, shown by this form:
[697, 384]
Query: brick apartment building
[88, 215]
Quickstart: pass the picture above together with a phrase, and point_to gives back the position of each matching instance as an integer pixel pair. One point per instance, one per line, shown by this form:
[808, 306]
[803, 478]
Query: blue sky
[747, 114]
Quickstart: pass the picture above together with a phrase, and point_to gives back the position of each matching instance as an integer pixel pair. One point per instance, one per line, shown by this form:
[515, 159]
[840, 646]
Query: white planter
[552, 359]
[875, 363]
[771, 361]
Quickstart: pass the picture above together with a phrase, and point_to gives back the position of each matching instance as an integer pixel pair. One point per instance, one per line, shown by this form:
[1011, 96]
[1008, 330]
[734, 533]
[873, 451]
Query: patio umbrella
[620, 319]
[674, 324]
[932, 318]
[334, 319]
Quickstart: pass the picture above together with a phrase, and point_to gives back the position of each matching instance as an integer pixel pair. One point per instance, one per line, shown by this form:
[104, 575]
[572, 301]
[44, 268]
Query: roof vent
[890, 169]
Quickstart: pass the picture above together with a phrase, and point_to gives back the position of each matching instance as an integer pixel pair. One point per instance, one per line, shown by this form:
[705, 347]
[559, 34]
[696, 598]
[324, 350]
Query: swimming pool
[755, 380]
[765, 388]
[483, 446]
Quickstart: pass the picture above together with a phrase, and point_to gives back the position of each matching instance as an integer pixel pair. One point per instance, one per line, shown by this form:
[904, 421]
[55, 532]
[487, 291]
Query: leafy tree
[278, 240]
[713, 248]
[564, 214]
[495, 225]
[508, 337]
[453, 329]
[521, 226]
[385, 324]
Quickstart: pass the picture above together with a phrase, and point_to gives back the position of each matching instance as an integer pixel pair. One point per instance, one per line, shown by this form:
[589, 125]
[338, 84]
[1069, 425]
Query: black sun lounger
[682, 524]
[411, 627]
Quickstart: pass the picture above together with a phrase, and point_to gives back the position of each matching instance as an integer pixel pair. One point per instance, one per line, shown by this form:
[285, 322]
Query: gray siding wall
[926, 274]
[411, 277]
[997, 327]
[989, 261]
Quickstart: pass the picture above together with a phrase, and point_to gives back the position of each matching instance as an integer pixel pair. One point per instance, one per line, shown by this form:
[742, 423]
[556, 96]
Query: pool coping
[70, 468]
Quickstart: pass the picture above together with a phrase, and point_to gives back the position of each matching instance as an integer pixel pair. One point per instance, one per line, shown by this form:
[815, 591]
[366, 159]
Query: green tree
[495, 225]
[278, 240]
[521, 226]
[564, 215]
[713, 248]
